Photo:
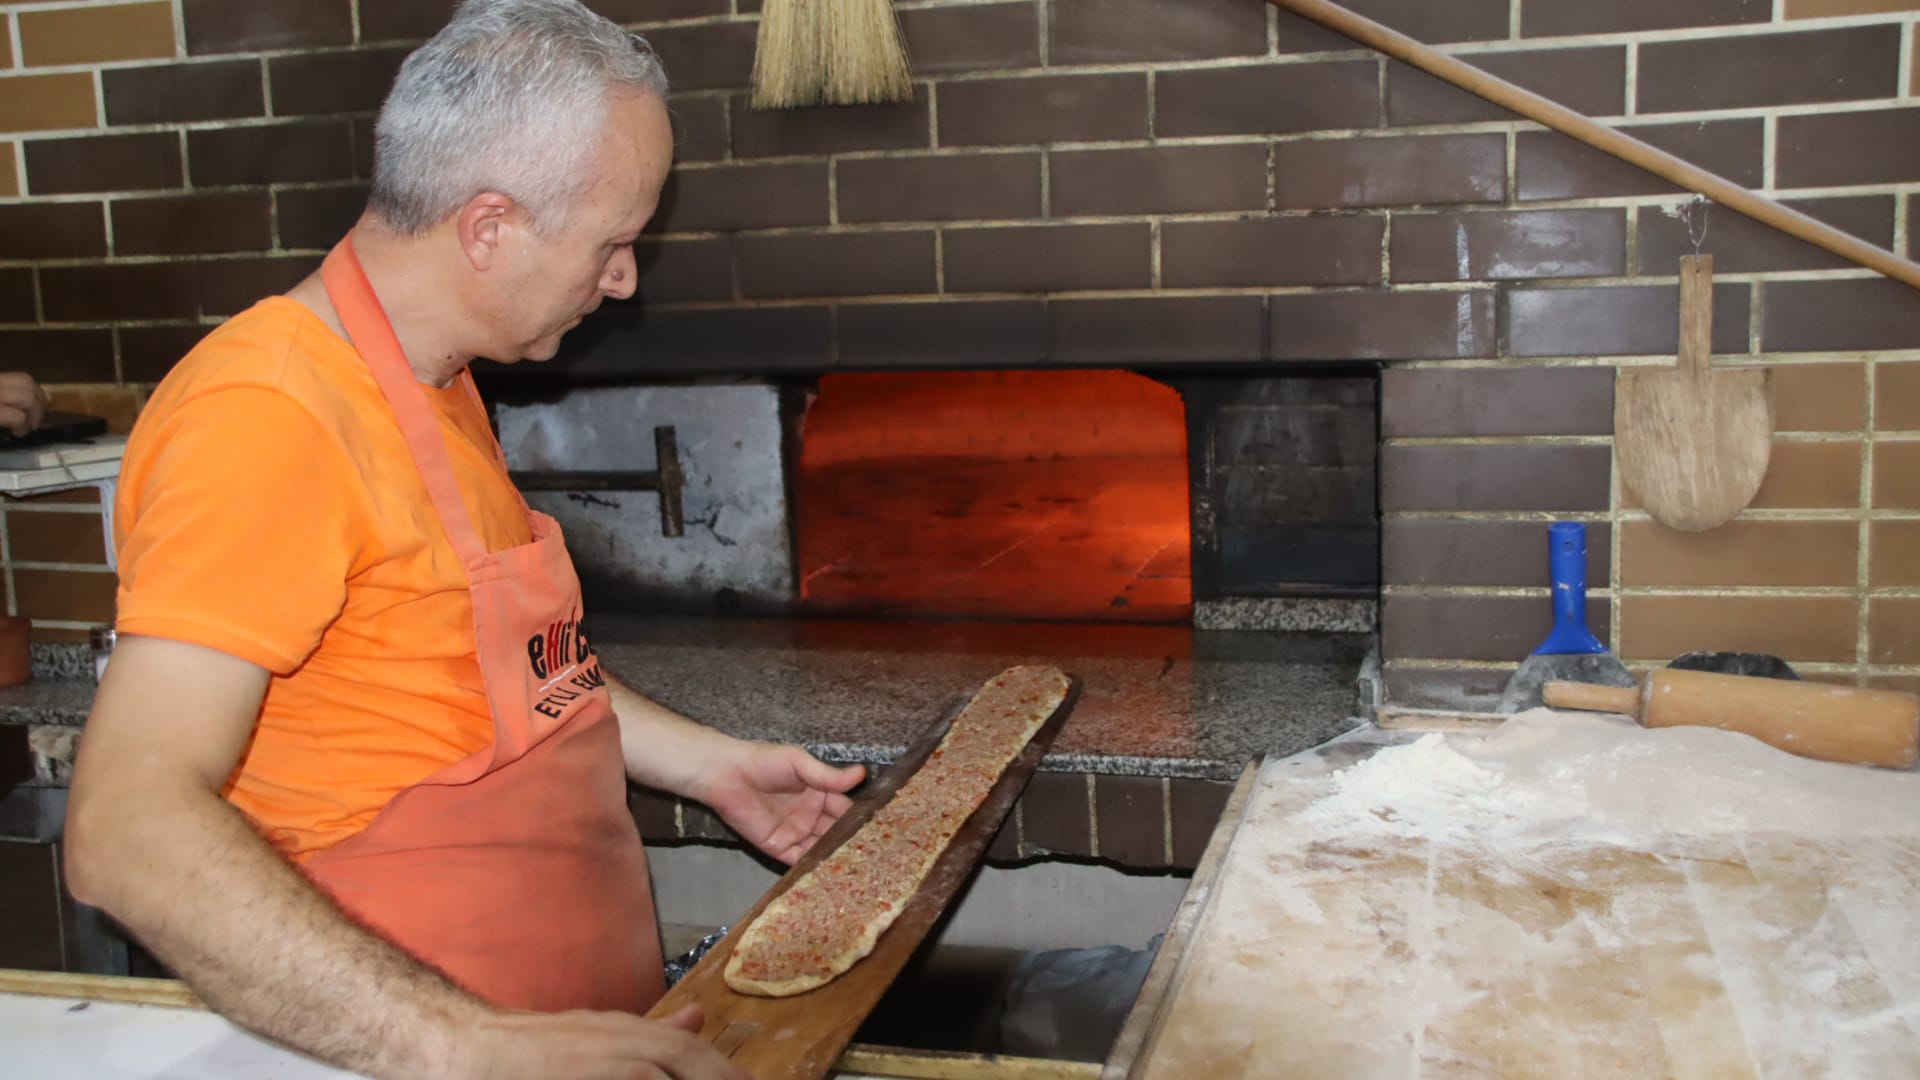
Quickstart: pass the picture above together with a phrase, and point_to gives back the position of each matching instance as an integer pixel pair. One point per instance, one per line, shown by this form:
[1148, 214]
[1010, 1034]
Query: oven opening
[1004, 494]
[1208, 499]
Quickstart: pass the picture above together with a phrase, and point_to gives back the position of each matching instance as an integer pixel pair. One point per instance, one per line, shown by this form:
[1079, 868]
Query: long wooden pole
[1619, 144]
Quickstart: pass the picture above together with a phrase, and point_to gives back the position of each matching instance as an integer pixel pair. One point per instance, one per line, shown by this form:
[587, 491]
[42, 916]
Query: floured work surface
[1567, 896]
[800, 1037]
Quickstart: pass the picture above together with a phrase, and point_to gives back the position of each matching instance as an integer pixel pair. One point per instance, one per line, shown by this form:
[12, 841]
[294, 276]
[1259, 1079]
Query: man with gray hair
[355, 772]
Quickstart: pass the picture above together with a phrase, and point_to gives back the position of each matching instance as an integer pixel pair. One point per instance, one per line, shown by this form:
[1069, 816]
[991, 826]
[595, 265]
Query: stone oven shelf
[1158, 700]
[58, 702]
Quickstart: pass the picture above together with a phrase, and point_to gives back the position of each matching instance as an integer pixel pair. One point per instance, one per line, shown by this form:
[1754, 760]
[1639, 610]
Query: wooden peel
[1693, 442]
[1816, 720]
[801, 1037]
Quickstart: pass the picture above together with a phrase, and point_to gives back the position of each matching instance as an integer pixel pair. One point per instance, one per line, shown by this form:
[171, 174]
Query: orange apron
[518, 870]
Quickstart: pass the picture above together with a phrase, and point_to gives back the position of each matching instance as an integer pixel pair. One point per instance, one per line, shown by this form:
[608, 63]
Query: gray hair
[511, 96]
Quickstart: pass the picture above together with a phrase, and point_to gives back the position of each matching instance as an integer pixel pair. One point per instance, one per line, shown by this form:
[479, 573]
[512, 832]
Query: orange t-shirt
[268, 508]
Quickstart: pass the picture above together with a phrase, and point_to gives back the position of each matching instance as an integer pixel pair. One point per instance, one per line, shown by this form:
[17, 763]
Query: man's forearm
[778, 798]
[662, 748]
[186, 873]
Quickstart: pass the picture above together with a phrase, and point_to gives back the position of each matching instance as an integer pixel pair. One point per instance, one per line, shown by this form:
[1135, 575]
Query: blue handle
[1567, 561]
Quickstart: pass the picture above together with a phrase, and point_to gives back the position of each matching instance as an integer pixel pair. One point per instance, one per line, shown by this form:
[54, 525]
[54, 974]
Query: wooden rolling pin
[1816, 720]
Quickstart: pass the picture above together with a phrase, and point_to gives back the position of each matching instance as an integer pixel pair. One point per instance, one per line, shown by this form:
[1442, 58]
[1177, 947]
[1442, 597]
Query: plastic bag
[678, 967]
[1069, 1003]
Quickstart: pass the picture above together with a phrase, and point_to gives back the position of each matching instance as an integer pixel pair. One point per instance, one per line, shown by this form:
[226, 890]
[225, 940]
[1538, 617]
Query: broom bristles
[829, 52]
[779, 77]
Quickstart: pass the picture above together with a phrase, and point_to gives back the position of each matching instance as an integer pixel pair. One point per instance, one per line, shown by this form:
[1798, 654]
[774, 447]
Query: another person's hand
[779, 798]
[23, 402]
[588, 1046]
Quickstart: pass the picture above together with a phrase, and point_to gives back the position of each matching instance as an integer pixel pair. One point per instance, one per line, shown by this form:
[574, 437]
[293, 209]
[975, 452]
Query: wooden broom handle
[1619, 144]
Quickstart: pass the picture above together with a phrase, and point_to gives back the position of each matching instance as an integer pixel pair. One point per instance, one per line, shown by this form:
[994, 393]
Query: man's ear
[479, 224]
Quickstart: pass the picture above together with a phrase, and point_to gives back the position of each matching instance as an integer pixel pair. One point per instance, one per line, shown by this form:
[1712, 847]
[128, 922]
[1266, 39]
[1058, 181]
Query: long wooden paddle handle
[1619, 144]
[1696, 316]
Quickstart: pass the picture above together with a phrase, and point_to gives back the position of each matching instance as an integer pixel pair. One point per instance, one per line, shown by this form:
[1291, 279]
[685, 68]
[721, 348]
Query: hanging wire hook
[1686, 215]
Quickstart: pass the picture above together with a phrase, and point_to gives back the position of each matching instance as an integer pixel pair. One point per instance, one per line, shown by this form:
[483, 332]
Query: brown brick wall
[1130, 182]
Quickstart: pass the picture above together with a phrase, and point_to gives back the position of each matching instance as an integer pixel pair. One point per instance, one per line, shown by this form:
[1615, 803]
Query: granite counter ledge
[52, 710]
[1155, 701]
[60, 693]
[48, 702]
[1166, 718]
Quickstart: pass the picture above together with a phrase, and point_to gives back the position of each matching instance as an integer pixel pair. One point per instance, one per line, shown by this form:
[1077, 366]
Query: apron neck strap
[372, 336]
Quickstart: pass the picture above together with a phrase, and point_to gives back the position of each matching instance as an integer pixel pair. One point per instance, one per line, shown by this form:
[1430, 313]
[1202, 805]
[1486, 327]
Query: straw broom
[829, 52]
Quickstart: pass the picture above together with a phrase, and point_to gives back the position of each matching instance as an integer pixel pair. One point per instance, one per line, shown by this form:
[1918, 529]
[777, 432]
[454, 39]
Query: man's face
[557, 279]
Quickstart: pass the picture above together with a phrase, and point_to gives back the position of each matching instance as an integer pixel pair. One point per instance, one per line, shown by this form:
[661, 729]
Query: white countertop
[54, 1038]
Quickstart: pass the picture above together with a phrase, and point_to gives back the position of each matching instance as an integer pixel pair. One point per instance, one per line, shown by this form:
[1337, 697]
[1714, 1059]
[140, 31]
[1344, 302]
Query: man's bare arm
[150, 840]
[779, 798]
[664, 749]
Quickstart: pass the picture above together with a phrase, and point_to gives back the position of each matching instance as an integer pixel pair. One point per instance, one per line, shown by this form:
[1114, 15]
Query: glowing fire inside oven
[1018, 494]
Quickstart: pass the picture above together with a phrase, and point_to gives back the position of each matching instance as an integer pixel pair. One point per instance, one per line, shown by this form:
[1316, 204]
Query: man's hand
[779, 798]
[23, 402]
[590, 1046]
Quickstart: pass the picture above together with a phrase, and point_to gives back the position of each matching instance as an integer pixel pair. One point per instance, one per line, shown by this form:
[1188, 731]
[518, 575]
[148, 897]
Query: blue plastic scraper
[1571, 653]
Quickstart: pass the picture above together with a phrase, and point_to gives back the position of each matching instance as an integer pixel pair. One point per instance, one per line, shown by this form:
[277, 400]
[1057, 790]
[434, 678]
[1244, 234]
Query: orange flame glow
[1023, 494]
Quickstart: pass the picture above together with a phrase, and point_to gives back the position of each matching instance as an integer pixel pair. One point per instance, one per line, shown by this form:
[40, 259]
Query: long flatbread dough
[830, 918]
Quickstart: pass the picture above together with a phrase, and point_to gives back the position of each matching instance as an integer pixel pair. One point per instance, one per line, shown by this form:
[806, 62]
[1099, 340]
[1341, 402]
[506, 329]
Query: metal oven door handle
[667, 479]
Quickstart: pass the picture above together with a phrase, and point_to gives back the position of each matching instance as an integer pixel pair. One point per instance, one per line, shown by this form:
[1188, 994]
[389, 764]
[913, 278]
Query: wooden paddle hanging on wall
[1693, 442]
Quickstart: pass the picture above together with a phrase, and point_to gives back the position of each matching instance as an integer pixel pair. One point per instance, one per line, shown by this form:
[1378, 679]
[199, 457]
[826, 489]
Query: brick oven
[1186, 340]
[1217, 191]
